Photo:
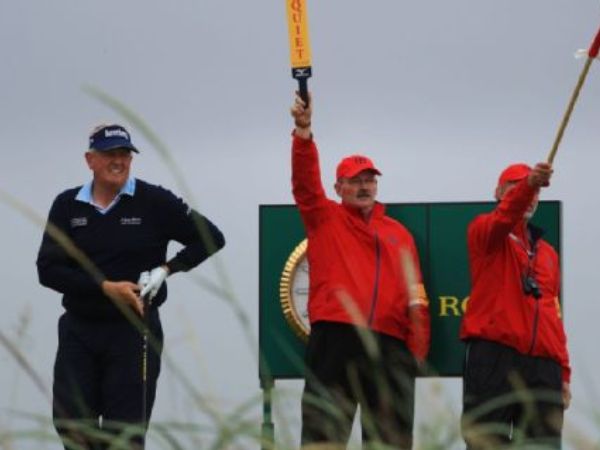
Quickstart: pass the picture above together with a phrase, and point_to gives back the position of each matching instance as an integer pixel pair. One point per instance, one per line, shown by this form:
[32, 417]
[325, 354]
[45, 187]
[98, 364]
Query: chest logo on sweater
[79, 222]
[131, 220]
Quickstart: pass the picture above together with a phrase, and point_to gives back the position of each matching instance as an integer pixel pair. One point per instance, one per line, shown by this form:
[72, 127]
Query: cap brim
[514, 179]
[113, 144]
[353, 173]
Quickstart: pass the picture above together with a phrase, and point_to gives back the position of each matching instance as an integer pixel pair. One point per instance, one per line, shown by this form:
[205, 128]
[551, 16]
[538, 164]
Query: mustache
[363, 193]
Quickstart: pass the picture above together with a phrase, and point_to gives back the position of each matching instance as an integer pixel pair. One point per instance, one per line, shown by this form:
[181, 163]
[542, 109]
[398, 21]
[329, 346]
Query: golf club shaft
[146, 324]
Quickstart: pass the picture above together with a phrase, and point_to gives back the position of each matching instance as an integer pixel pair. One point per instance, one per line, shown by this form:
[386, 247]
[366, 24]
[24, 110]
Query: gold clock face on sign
[293, 291]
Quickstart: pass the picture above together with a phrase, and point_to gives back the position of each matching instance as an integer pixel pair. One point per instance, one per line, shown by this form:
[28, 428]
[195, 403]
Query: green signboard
[439, 230]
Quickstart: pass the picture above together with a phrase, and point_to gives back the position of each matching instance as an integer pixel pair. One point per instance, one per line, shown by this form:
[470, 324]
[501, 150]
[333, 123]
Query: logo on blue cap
[111, 137]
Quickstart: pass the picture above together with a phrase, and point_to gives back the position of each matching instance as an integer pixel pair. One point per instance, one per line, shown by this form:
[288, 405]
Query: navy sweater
[130, 238]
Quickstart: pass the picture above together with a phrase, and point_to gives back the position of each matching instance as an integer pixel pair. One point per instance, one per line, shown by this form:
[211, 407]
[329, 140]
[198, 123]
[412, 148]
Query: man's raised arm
[306, 174]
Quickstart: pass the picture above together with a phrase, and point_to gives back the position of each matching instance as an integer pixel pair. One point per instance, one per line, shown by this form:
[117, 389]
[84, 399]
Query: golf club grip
[303, 90]
[593, 52]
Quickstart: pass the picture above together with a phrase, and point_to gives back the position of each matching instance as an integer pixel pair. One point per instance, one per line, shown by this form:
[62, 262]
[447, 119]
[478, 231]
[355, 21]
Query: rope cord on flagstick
[591, 54]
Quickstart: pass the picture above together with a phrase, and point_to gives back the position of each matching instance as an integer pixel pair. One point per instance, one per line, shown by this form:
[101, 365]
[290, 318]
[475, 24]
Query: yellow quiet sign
[298, 29]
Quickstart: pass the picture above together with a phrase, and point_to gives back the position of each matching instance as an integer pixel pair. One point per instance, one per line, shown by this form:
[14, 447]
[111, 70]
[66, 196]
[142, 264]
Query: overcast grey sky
[442, 94]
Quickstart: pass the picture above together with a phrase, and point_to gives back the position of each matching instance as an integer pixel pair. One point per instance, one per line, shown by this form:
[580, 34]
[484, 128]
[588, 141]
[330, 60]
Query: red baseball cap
[353, 165]
[514, 172]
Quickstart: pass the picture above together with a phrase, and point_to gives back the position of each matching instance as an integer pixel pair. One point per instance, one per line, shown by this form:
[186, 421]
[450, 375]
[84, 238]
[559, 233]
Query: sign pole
[267, 427]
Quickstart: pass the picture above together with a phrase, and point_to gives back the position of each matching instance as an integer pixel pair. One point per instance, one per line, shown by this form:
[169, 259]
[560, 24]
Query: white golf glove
[157, 278]
[144, 279]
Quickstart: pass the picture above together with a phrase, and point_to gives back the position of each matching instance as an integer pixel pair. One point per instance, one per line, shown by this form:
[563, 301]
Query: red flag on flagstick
[595, 47]
[592, 54]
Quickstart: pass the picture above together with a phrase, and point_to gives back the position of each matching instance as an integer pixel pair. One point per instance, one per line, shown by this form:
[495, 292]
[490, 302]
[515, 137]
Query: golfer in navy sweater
[100, 239]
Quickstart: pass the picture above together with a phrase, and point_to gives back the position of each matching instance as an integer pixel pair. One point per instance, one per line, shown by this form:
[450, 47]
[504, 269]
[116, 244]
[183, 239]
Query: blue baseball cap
[110, 137]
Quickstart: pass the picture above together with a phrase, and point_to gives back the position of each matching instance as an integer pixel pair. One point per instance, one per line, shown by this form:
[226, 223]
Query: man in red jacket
[516, 375]
[367, 307]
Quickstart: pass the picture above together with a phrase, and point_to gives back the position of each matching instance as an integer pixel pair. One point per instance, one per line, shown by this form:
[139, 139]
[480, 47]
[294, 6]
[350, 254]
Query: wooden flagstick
[591, 55]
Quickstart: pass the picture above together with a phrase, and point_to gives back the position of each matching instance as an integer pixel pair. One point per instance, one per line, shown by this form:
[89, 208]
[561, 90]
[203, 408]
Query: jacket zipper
[530, 256]
[536, 319]
[376, 287]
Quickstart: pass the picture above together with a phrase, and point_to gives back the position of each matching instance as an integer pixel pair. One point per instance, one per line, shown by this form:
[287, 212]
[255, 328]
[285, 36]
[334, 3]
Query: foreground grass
[222, 428]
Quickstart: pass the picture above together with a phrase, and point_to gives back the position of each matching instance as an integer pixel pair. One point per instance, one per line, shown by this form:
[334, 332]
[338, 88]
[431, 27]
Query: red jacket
[356, 273]
[498, 309]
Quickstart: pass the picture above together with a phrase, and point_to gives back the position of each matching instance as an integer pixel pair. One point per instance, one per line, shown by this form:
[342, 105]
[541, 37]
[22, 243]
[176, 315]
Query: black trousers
[510, 398]
[97, 390]
[347, 366]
